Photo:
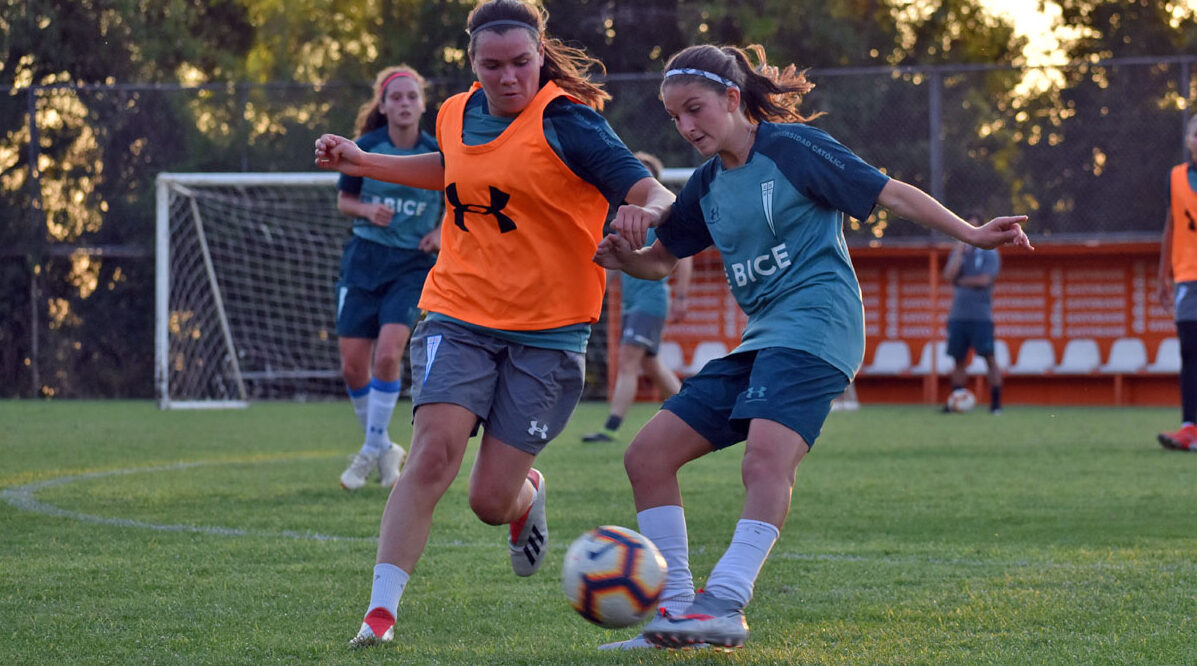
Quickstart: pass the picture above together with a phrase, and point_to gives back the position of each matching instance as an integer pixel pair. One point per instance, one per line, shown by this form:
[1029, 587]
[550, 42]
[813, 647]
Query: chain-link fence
[1083, 149]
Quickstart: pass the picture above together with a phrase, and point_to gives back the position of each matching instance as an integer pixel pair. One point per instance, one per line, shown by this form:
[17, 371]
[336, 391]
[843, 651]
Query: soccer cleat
[639, 642]
[354, 476]
[1184, 439]
[717, 622]
[597, 437]
[377, 620]
[529, 540]
[390, 462]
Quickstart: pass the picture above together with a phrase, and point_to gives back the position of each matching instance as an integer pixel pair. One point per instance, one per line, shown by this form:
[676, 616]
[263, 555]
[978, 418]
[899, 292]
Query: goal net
[245, 297]
[245, 308]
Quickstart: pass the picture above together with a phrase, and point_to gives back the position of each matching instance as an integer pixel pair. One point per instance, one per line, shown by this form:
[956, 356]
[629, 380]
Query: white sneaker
[354, 476]
[389, 465]
[529, 540]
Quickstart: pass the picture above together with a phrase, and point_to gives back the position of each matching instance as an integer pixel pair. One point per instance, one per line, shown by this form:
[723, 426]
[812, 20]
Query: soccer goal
[245, 296]
[245, 307]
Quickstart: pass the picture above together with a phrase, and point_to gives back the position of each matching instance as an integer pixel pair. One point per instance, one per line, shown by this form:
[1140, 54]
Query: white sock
[383, 396]
[665, 526]
[735, 574]
[360, 399]
[389, 582]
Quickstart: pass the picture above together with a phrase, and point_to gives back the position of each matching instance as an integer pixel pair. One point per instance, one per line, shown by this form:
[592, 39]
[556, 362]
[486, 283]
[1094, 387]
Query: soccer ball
[961, 400]
[613, 576]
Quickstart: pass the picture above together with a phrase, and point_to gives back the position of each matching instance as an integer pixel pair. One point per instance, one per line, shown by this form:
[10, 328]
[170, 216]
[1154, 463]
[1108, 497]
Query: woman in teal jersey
[396, 234]
[771, 198]
[646, 306]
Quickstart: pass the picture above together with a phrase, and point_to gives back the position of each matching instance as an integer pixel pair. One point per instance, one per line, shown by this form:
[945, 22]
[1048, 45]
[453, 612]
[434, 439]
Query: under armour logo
[535, 429]
[498, 201]
[755, 393]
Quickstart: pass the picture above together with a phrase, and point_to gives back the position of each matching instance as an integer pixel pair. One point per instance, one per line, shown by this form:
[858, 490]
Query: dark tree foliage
[1102, 144]
[261, 78]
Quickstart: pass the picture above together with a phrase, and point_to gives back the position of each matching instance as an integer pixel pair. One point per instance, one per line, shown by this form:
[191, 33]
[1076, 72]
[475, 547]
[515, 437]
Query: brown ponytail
[766, 93]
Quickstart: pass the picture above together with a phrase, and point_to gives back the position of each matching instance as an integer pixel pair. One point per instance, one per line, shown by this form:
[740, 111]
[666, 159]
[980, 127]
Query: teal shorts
[379, 285]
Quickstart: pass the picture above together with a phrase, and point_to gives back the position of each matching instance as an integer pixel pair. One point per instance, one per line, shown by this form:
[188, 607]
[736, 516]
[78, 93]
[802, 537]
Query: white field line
[23, 498]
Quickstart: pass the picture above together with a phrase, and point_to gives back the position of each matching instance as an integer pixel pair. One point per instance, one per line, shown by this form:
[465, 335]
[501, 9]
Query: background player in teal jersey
[396, 234]
[972, 272]
[771, 198]
[645, 305]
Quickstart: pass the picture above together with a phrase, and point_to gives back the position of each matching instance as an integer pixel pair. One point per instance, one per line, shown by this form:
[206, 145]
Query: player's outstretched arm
[916, 205]
[336, 153]
[617, 253]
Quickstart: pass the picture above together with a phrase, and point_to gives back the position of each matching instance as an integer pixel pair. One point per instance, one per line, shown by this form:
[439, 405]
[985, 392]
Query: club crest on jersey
[767, 202]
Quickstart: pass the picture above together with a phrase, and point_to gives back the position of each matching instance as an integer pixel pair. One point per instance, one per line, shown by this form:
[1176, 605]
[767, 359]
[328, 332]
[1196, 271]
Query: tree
[98, 150]
[1097, 149]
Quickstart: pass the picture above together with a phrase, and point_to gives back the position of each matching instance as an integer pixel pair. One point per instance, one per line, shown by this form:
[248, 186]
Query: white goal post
[245, 287]
[245, 298]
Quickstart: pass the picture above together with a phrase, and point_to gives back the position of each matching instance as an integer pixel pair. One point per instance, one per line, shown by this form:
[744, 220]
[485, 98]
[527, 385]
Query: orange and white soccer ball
[961, 400]
[613, 576]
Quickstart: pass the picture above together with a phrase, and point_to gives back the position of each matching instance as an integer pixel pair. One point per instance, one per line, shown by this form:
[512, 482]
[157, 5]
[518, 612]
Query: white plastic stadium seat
[943, 362]
[892, 357]
[670, 354]
[1035, 357]
[1081, 357]
[707, 350]
[1001, 354]
[1127, 355]
[1167, 359]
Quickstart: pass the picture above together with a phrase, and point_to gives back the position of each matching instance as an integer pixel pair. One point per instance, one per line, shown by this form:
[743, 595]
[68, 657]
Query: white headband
[703, 73]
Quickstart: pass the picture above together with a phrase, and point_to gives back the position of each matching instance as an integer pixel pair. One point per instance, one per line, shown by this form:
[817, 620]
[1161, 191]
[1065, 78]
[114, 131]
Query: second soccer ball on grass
[961, 400]
[613, 576]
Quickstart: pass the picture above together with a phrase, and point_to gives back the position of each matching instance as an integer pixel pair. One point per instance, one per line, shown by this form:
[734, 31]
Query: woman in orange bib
[529, 169]
[1178, 286]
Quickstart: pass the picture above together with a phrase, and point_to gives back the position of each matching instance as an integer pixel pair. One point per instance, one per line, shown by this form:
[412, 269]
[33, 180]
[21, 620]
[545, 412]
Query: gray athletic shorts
[522, 395]
[642, 330]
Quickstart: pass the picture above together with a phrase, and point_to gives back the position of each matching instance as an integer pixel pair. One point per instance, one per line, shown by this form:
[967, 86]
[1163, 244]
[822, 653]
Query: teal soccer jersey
[416, 211]
[778, 223]
[648, 296]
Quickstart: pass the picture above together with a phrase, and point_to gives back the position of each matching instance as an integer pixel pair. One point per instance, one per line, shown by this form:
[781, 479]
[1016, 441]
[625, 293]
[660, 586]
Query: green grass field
[1041, 536]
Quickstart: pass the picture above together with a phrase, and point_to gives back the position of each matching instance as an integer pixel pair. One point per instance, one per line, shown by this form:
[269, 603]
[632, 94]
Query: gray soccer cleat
[718, 622]
[529, 538]
[639, 642]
